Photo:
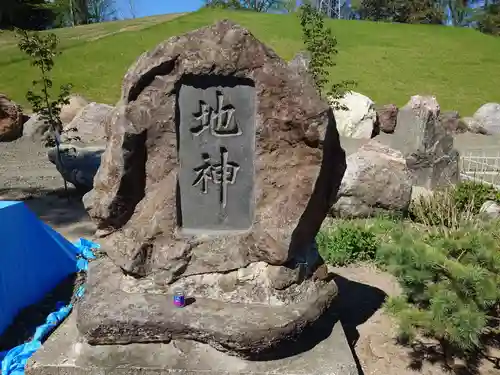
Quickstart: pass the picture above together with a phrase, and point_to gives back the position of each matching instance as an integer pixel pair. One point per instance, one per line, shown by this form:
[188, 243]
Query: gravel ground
[25, 170]
[26, 174]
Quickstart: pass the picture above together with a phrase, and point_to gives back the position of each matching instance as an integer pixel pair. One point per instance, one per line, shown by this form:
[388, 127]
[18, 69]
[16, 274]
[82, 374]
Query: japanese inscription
[216, 157]
[220, 120]
[223, 174]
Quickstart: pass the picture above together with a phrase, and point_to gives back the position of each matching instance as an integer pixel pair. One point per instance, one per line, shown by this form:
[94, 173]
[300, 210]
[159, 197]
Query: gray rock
[300, 64]
[77, 165]
[356, 117]
[213, 117]
[70, 110]
[450, 120]
[88, 125]
[473, 125]
[36, 129]
[490, 209]
[387, 116]
[300, 61]
[65, 352]
[376, 181]
[489, 117]
[425, 143]
[114, 311]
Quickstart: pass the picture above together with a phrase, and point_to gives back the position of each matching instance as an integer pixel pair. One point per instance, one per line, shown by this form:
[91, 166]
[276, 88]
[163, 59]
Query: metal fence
[481, 166]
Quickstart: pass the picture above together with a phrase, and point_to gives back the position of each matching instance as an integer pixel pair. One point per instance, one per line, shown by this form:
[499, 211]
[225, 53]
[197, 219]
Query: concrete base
[65, 354]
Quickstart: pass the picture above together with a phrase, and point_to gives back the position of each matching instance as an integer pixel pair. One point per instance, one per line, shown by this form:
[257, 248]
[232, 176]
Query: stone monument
[213, 181]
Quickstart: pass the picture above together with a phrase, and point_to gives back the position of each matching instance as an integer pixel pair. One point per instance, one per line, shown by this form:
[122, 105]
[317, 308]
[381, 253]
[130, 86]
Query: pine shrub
[451, 283]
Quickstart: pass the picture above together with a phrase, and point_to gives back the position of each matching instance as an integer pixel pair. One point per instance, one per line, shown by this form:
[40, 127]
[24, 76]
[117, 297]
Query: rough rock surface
[77, 165]
[234, 326]
[425, 143]
[490, 209]
[88, 125]
[473, 125]
[11, 120]
[300, 61]
[376, 181]
[134, 201]
[387, 117]
[35, 128]
[489, 117]
[359, 119]
[70, 110]
[451, 122]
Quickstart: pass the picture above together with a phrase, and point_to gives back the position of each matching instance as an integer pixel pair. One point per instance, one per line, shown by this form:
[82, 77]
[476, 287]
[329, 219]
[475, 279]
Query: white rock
[360, 118]
[489, 117]
[376, 181]
[490, 209]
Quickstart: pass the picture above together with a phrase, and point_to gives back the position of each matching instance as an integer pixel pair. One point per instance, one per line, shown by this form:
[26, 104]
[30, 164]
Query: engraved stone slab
[216, 156]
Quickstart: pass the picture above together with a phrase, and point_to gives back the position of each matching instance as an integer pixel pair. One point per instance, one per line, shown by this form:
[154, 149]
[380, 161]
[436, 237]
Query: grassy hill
[390, 62]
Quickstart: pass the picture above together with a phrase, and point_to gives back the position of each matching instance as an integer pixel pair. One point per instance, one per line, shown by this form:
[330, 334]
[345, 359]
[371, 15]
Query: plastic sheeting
[33, 260]
[14, 361]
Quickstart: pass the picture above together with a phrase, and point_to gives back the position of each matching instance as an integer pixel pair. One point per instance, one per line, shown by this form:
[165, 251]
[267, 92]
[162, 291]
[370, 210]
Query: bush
[469, 193]
[452, 207]
[440, 209]
[488, 21]
[451, 283]
[347, 243]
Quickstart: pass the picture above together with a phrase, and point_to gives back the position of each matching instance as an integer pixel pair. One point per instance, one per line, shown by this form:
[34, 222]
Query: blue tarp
[13, 362]
[34, 259]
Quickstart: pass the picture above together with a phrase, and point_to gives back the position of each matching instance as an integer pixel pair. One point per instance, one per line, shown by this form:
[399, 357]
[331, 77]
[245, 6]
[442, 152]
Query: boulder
[488, 117]
[300, 64]
[77, 165]
[35, 128]
[213, 181]
[490, 209]
[11, 120]
[387, 116]
[473, 125]
[450, 120]
[376, 181]
[88, 126]
[70, 110]
[301, 61]
[356, 116]
[425, 143]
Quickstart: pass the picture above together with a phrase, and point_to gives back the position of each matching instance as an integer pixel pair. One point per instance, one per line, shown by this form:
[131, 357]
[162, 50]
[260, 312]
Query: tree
[26, 14]
[131, 7]
[488, 20]
[42, 50]
[254, 5]
[403, 11]
[460, 11]
[290, 6]
[100, 10]
[321, 45]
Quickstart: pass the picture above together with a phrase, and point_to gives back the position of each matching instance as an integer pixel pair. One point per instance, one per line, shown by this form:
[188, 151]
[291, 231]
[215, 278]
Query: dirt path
[362, 290]
[26, 174]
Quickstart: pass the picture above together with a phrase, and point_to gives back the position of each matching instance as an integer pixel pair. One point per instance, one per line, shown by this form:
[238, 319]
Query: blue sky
[153, 7]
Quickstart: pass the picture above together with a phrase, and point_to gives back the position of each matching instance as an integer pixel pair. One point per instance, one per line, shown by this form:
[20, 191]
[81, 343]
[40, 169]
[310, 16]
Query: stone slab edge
[64, 353]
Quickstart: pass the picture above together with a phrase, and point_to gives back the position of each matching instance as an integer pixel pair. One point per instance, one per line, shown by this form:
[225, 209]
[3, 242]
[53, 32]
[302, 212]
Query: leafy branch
[41, 51]
[322, 46]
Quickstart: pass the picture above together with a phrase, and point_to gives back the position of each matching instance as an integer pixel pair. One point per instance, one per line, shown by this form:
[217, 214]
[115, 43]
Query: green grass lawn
[390, 62]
